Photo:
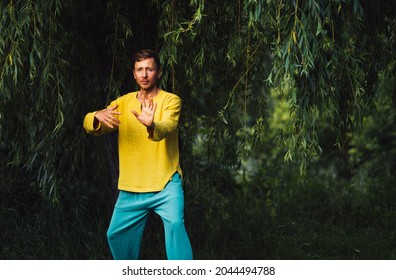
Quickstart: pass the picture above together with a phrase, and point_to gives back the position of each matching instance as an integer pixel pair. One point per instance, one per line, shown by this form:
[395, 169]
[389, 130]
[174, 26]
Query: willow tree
[60, 59]
[324, 56]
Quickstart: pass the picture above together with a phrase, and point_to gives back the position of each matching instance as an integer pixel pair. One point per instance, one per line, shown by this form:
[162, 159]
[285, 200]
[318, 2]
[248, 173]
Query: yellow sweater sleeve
[169, 118]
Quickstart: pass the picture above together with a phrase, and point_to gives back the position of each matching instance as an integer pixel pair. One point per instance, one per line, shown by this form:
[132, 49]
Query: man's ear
[159, 75]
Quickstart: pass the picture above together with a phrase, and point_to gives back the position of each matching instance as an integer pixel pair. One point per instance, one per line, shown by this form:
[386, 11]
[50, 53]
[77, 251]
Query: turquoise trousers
[130, 215]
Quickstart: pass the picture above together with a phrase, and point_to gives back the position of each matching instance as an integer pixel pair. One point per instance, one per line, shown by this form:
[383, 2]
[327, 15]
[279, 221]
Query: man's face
[146, 74]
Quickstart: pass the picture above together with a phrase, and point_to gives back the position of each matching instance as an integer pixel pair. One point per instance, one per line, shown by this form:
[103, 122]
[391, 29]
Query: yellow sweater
[146, 164]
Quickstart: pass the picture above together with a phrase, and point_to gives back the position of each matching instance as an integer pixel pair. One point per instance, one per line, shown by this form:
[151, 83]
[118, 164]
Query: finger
[108, 124]
[113, 108]
[114, 120]
[113, 124]
[135, 113]
[113, 111]
[109, 116]
[151, 102]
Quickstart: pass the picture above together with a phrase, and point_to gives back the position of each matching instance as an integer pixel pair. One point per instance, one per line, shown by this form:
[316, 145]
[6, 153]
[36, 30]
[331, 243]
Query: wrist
[96, 121]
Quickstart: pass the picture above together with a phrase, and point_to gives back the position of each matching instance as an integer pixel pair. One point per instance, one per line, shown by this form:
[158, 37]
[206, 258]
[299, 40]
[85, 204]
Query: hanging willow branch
[321, 68]
[32, 84]
[61, 59]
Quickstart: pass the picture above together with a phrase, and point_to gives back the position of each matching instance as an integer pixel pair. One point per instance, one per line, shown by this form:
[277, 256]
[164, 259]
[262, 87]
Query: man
[150, 174]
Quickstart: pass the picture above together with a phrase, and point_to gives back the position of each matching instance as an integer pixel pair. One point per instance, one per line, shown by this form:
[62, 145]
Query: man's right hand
[108, 117]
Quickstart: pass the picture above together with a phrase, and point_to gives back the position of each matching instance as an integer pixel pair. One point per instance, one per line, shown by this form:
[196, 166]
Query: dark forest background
[288, 128]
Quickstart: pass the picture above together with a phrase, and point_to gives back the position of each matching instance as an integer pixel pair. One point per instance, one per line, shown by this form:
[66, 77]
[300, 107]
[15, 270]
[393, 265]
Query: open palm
[146, 117]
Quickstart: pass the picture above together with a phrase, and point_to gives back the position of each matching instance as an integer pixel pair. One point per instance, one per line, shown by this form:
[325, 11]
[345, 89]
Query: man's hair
[144, 54]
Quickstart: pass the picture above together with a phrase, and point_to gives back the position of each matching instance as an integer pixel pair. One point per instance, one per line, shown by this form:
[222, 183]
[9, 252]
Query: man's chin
[147, 87]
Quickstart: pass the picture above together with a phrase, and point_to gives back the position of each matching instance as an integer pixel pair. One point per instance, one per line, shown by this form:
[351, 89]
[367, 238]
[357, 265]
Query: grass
[313, 220]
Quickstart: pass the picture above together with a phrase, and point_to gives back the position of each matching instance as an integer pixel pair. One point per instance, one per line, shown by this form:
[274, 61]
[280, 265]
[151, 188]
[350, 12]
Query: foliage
[309, 82]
